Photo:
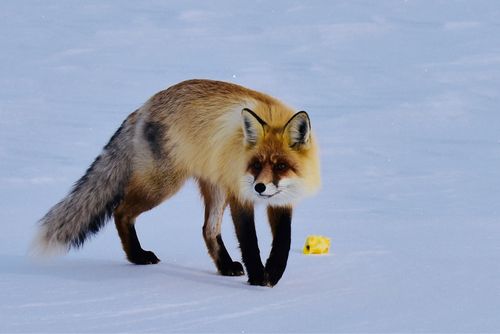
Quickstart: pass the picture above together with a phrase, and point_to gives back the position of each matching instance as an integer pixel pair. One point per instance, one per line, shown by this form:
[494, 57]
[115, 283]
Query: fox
[243, 148]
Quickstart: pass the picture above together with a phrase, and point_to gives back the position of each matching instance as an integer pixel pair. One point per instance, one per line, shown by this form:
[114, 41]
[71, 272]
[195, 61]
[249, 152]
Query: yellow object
[317, 244]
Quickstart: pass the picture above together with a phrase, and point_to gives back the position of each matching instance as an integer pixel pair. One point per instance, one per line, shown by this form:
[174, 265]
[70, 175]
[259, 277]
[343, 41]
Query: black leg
[227, 267]
[137, 254]
[244, 223]
[215, 203]
[280, 219]
[132, 246]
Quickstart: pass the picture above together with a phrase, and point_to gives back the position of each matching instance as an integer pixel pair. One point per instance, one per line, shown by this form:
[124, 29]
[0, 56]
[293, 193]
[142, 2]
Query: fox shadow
[102, 270]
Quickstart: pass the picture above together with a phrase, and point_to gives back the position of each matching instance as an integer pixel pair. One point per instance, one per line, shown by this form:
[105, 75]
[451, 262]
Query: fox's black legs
[136, 201]
[215, 203]
[280, 219]
[243, 219]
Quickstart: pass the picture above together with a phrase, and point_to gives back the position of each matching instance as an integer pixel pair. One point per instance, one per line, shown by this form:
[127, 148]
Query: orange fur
[205, 136]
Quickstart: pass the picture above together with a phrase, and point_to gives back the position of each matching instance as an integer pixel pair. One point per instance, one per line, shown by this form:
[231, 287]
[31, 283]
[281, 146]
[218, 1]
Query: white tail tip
[43, 247]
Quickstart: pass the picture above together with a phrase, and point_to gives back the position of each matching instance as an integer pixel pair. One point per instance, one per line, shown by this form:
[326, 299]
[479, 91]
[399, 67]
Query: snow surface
[403, 95]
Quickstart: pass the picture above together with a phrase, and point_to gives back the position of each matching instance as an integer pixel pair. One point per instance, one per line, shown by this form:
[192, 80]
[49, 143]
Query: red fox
[243, 147]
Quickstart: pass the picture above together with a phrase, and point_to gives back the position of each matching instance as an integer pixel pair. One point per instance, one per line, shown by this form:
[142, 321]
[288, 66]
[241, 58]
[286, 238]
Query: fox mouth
[268, 196]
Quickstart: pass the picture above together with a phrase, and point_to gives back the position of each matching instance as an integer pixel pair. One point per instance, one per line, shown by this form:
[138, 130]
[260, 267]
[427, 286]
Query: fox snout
[260, 188]
[266, 181]
[275, 192]
[266, 191]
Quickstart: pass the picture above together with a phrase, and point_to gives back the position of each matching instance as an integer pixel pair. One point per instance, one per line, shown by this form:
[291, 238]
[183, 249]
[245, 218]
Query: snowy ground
[404, 97]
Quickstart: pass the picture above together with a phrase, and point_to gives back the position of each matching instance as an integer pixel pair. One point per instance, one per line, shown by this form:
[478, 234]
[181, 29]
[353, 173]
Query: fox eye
[281, 166]
[256, 166]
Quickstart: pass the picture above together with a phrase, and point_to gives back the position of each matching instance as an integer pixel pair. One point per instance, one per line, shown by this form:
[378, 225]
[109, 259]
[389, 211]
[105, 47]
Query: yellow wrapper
[317, 244]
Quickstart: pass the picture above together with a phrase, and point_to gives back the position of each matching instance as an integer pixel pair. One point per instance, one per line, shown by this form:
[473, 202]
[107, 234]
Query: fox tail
[91, 202]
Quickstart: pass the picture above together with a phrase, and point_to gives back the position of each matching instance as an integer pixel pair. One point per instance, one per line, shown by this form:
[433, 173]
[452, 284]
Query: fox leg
[243, 218]
[130, 241]
[280, 219]
[140, 197]
[215, 203]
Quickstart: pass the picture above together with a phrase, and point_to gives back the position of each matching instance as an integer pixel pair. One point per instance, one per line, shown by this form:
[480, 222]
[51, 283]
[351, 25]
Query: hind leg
[139, 197]
[130, 241]
[215, 203]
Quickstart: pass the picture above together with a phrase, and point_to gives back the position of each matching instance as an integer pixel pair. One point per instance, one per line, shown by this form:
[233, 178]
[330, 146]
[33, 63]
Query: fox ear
[298, 129]
[253, 127]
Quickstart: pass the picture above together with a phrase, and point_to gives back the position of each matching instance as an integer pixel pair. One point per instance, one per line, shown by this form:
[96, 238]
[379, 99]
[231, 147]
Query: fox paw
[260, 279]
[233, 269]
[273, 277]
[144, 257]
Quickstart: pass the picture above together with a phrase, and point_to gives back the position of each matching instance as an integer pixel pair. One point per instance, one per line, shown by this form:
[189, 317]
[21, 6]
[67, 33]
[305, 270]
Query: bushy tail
[91, 201]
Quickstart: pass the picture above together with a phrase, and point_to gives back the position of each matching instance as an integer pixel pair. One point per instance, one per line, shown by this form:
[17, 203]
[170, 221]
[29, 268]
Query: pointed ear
[298, 130]
[253, 127]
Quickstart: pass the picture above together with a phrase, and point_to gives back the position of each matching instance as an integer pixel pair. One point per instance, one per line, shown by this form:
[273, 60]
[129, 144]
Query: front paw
[274, 275]
[260, 279]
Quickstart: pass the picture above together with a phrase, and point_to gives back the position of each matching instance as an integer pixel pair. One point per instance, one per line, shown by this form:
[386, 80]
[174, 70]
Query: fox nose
[260, 188]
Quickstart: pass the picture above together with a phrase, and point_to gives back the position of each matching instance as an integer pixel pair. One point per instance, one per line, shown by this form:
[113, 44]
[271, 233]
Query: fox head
[282, 164]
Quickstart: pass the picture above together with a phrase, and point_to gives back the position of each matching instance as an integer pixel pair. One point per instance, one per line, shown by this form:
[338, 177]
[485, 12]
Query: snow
[403, 96]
